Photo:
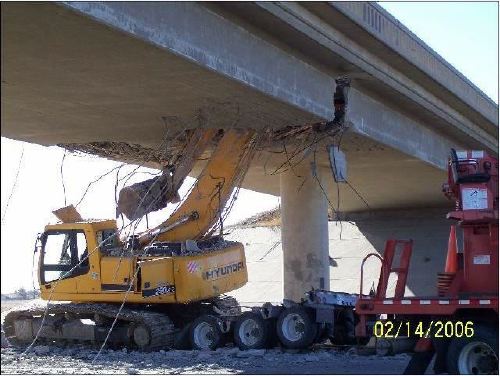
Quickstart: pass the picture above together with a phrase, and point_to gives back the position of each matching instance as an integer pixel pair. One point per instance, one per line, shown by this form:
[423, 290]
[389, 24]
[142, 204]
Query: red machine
[460, 324]
[473, 183]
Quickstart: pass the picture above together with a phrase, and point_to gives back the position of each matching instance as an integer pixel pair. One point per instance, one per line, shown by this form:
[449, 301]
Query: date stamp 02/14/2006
[423, 329]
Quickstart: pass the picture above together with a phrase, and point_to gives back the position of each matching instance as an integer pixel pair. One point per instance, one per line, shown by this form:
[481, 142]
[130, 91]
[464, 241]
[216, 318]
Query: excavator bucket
[154, 194]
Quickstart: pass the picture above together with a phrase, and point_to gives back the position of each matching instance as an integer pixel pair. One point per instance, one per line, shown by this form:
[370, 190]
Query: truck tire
[205, 333]
[296, 328]
[475, 355]
[251, 331]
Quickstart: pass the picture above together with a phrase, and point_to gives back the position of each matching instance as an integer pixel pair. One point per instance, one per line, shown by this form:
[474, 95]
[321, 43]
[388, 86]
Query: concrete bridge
[77, 73]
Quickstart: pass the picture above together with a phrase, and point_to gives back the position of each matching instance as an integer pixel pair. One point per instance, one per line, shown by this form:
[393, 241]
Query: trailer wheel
[251, 331]
[296, 328]
[477, 355]
[205, 333]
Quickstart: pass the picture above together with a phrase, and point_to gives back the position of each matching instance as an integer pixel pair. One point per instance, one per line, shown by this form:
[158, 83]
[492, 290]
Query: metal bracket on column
[338, 163]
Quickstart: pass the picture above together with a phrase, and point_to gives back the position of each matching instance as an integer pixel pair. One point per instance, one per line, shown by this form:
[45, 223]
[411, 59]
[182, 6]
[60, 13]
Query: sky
[465, 34]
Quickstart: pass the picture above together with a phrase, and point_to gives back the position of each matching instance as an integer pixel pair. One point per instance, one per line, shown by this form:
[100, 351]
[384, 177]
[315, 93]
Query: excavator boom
[203, 206]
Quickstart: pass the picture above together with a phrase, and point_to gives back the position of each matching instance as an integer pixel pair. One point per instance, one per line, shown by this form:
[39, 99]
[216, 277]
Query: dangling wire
[221, 230]
[62, 177]
[13, 185]
[96, 180]
[35, 248]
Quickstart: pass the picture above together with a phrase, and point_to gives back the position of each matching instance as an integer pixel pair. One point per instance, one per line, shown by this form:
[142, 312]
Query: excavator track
[135, 327]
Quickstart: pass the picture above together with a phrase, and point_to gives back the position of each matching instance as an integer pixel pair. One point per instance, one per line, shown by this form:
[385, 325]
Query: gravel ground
[9, 304]
[78, 360]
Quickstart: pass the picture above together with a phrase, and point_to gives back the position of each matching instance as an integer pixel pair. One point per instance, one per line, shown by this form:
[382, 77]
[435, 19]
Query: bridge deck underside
[80, 82]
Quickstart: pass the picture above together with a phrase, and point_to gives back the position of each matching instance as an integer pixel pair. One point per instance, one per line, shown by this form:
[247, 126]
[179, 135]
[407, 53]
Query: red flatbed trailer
[467, 291]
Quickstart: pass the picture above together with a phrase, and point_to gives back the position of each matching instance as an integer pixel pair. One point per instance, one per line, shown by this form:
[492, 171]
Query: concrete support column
[304, 232]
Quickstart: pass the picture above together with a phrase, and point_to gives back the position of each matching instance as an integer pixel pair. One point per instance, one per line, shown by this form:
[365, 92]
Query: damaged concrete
[121, 151]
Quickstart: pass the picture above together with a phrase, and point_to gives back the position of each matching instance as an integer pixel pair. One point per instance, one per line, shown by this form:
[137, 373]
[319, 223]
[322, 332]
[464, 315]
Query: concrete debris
[204, 355]
[228, 351]
[42, 350]
[182, 249]
[269, 218]
[150, 195]
[292, 351]
[160, 157]
[122, 151]
[118, 252]
[251, 353]
[5, 343]
[68, 214]
[212, 247]
[289, 132]
[311, 358]
[241, 354]
[352, 351]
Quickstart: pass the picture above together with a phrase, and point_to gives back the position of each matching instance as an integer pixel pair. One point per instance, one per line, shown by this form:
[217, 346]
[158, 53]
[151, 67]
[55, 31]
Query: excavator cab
[69, 257]
[85, 261]
[61, 253]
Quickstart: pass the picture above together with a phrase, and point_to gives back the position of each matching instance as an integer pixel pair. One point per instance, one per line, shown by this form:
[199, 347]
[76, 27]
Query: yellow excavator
[159, 289]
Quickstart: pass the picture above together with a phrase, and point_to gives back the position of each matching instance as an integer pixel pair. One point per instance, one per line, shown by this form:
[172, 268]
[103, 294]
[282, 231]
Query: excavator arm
[215, 184]
[203, 207]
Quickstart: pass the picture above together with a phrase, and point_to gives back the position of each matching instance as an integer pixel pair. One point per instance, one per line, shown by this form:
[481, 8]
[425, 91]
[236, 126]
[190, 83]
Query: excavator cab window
[64, 255]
